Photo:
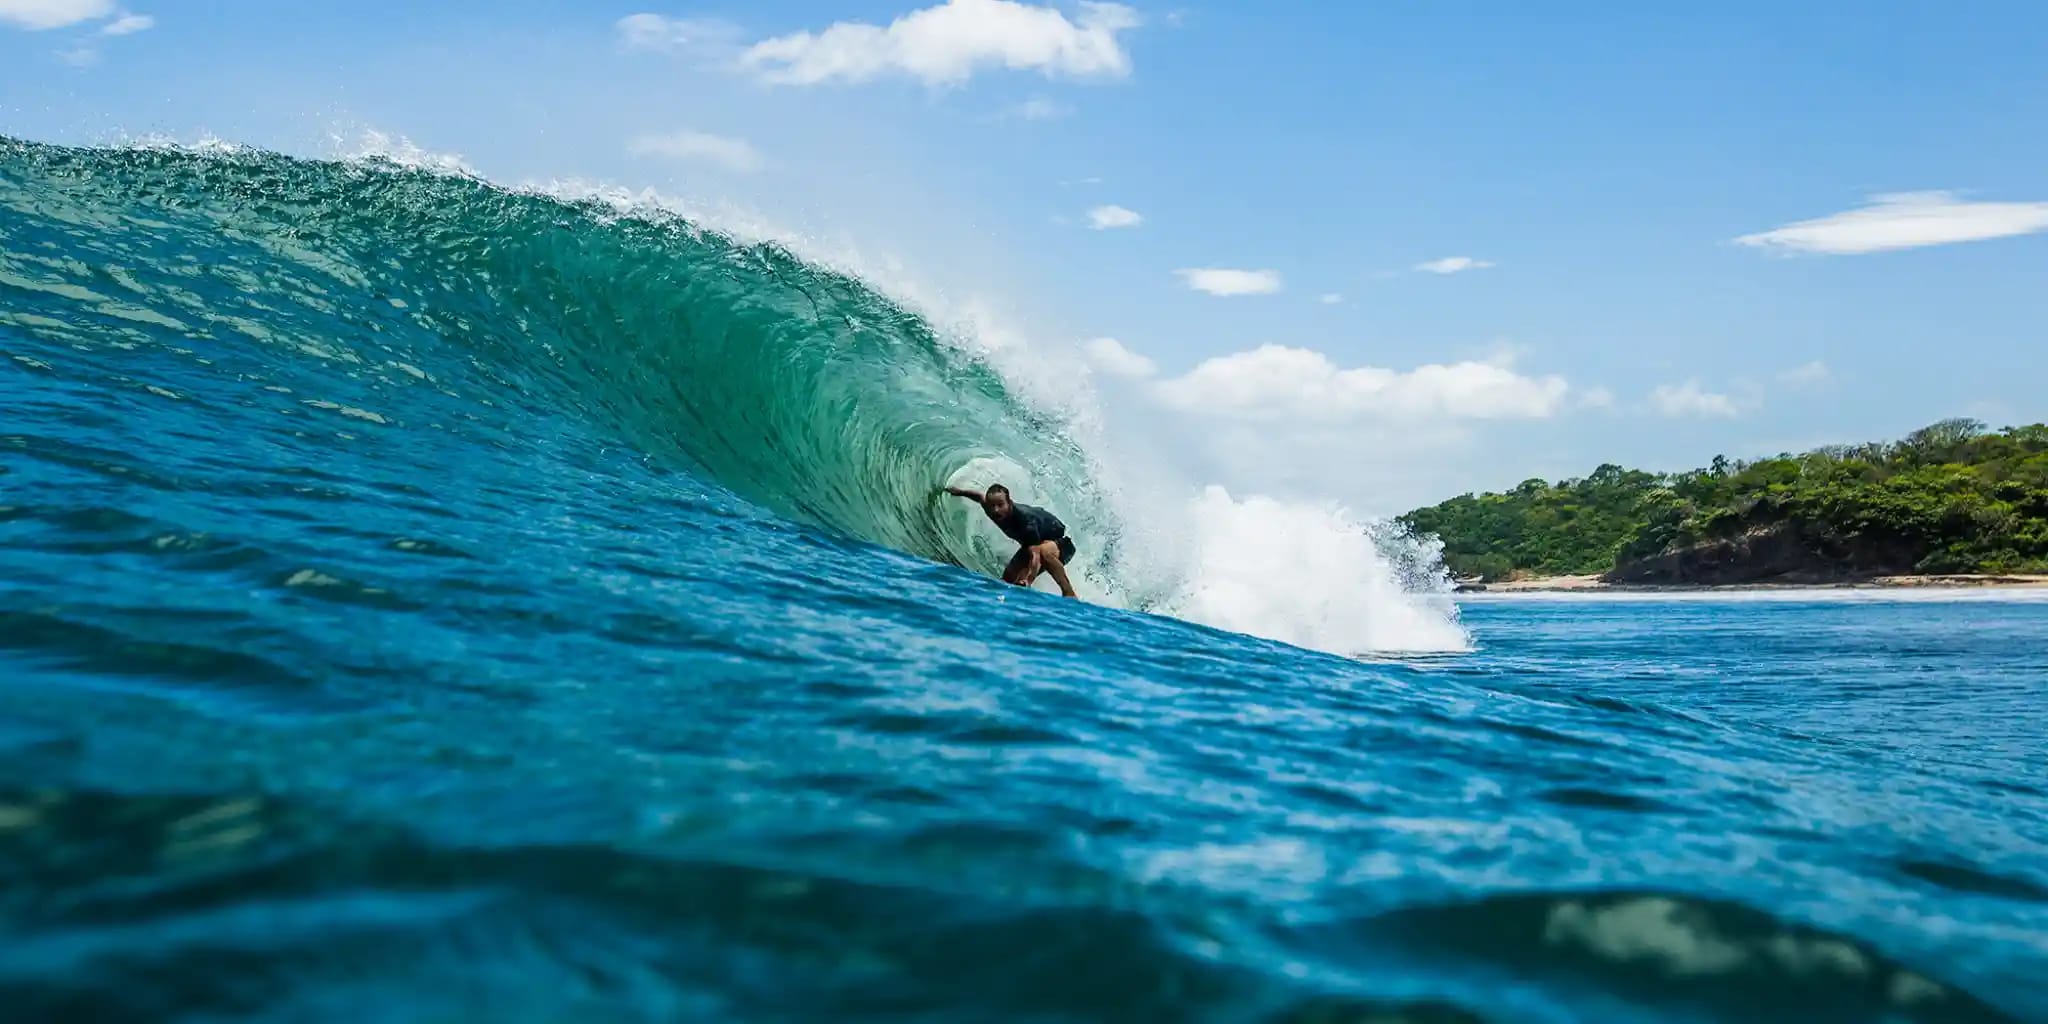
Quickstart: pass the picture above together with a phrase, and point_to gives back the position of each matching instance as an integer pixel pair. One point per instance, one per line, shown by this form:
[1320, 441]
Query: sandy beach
[1556, 584]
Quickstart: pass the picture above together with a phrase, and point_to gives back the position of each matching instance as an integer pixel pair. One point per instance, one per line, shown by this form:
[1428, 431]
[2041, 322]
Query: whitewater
[425, 598]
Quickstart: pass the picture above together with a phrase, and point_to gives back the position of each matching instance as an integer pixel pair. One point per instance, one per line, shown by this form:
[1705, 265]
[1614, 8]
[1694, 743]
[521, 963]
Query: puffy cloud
[1276, 382]
[1219, 281]
[1330, 298]
[1452, 265]
[948, 43]
[37, 15]
[699, 147]
[1904, 220]
[1689, 399]
[1269, 420]
[1103, 218]
[1110, 356]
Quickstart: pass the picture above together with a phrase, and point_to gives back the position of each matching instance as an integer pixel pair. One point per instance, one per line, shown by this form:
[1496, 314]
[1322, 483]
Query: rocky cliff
[1780, 552]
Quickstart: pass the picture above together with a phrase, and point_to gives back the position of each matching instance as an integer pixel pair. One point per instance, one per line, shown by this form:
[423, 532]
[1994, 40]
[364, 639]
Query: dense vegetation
[1949, 498]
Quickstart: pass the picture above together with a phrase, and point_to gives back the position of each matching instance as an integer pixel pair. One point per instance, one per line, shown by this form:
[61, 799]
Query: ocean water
[427, 600]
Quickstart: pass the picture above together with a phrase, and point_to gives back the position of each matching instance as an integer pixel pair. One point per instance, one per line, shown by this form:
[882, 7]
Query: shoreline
[1594, 584]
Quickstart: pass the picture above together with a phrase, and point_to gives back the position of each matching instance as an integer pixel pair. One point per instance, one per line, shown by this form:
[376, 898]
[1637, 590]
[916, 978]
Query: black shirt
[1029, 525]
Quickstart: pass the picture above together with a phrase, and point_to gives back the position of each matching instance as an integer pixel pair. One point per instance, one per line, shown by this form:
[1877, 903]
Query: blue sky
[1660, 222]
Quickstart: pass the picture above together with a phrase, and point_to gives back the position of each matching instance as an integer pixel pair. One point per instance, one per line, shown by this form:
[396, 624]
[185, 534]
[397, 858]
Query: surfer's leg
[1033, 565]
[1022, 568]
[1049, 559]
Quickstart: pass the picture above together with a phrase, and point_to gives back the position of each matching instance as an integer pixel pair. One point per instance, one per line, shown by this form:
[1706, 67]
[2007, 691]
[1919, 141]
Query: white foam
[1311, 575]
[204, 145]
[1307, 574]
[373, 145]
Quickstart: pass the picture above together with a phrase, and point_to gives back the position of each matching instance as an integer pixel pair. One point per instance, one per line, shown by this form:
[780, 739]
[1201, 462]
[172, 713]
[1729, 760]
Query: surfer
[1043, 544]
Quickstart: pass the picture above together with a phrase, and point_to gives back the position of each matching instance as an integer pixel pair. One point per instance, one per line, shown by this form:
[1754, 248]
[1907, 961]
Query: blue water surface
[375, 649]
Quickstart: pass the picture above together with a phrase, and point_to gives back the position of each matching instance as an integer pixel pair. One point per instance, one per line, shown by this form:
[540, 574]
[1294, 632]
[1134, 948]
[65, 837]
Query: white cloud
[1080, 181]
[676, 35]
[699, 147]
[1110, 356]
[1039, 108]
[1904, 220]
[1596, 398]
[128, 25]
[1103, 218]
[1330, 298]
[948, 43]
[1276, 382]
[1453, 265]
[1689, 399]
[1219, 281]
[1267, 421]
[37, 15]
[1809, 375]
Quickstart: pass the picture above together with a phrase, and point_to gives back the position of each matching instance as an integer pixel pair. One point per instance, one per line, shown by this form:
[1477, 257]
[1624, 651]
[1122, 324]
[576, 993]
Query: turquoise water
[426, 601]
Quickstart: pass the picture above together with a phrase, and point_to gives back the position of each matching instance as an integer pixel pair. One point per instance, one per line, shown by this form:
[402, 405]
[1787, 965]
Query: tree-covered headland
[1953, 497]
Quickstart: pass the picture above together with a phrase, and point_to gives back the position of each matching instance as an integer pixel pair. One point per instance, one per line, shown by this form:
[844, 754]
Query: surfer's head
[996, 501]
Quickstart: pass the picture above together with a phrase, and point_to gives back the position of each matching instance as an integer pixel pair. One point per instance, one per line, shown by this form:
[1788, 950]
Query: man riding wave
[1043, 544]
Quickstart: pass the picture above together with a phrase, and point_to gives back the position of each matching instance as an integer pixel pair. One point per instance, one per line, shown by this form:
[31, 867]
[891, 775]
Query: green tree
[1949, 497]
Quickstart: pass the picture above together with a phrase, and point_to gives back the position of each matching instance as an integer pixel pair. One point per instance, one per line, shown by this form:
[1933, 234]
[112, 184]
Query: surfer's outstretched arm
[962, 492]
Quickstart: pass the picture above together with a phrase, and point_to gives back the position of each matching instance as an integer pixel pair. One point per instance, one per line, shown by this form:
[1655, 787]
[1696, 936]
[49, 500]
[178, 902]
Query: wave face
[421, 599]
[795, 387]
